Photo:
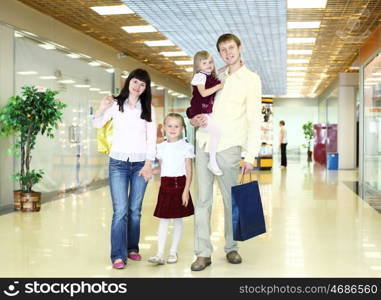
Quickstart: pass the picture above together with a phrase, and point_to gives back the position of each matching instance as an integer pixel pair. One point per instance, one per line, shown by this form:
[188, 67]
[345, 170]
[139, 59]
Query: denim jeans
[127, 192]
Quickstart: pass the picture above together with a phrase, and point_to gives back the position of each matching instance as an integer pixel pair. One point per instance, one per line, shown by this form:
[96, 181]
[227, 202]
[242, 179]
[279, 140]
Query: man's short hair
[227, 37]
[282, 122]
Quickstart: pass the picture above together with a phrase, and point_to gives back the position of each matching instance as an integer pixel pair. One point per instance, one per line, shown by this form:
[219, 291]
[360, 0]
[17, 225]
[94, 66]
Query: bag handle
[242, 177]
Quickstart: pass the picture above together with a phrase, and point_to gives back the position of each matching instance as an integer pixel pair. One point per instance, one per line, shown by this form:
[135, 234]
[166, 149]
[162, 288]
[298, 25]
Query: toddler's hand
[185, 198]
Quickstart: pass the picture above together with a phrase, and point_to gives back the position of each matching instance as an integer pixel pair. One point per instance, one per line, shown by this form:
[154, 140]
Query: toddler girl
[174, 200]
[204, 86]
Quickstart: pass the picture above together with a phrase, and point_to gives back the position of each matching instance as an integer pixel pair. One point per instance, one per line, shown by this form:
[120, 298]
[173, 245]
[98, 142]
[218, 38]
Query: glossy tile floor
[317, 227]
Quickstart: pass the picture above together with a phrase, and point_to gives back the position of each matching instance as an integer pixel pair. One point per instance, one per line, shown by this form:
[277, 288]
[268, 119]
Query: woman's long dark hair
[145, 97]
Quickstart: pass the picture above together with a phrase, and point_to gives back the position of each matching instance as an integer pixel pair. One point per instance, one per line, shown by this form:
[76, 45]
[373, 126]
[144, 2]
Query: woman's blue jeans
[127, 192]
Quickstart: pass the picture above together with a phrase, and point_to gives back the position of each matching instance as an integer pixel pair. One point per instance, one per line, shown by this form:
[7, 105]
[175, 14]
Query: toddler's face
[173, 128]
[207, 65]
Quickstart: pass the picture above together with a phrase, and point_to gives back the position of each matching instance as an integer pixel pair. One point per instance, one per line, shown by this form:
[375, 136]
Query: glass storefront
[371, 160]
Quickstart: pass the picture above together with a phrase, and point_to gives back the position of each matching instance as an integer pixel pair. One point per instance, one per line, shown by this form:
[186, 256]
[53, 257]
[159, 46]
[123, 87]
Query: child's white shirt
[172, 156]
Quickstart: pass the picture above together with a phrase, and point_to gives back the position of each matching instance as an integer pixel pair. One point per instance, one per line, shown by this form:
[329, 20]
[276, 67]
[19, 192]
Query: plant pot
[30, 201]
[309, 156]
[17, 200]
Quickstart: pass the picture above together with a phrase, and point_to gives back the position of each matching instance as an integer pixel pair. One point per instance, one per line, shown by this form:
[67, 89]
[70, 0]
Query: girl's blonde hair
[180, 118]
[199, 56]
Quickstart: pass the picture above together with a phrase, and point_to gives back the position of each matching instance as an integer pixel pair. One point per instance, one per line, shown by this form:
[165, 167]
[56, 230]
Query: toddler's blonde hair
[199, 56]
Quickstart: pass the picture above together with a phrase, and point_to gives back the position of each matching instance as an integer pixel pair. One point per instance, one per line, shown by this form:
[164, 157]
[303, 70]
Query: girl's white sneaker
[158, 260]
[172, 259]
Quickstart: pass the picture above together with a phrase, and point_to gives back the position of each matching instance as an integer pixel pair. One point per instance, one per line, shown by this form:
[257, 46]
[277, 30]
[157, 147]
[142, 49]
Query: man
[283, 144]
[237, 111]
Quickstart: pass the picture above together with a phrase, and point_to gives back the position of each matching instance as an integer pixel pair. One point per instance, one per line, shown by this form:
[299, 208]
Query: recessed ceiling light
[112, 10]
[27, 73]
[160, 43]
[294, 51]
[159, 87]
[295, 79]
[189, 69]
[377, 74]
[183, 62]
[105, 92]
[94, 64]
[297, 68]
[110, 70]
[298, 61]
[301, 40]
[306, 4]
[139, 29]
[18, 34]
[82, 85]
[48, 77]
[73, 55]
[66, 81]
[312, 24]
[173, 53]
[94, 89]
[295, 74]
[47, 46]
[29, 33]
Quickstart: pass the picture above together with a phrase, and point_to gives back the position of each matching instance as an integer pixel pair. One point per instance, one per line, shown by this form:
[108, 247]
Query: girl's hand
[221, 85]
[146, 172]
[106, 102]
[185, 198]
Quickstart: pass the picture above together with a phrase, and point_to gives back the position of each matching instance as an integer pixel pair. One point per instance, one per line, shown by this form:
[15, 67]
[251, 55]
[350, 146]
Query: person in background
[283, 144]
[204, 87]
[174, 201]
[237, 112]
[130, 167]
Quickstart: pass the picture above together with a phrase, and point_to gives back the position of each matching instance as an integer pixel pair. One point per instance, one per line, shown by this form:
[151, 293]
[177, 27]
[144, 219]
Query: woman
[132, 152]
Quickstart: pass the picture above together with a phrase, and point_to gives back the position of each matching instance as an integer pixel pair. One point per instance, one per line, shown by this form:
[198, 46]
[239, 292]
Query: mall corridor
[316, 227]
[295, 78]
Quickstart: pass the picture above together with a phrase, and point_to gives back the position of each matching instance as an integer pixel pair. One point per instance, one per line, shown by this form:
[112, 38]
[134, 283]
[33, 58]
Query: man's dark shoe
[233, 257]
[201, 263]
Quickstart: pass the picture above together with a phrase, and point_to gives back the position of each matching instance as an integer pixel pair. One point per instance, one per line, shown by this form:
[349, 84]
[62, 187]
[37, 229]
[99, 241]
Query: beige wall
[26, 18]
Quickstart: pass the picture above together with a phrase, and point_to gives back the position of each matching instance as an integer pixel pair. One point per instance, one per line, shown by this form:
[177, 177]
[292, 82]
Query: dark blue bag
[248, 218]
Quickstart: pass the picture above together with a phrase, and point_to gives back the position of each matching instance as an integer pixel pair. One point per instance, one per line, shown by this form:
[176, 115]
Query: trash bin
[332, 161]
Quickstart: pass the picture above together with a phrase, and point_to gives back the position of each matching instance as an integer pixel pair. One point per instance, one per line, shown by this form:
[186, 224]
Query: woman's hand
[185, 197]
[106, 102]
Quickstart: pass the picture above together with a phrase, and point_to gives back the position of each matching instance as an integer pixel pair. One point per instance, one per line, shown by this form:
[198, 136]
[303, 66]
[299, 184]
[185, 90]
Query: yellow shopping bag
[104, 138]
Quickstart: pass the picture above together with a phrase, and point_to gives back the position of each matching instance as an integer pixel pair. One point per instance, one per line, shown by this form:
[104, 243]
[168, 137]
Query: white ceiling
[196, 25]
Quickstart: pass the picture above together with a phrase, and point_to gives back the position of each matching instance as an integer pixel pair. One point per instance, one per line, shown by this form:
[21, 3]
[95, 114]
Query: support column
[346, 135]
[6, 90]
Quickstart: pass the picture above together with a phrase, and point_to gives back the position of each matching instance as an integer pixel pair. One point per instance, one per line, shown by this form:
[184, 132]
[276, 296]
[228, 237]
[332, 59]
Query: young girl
[174, 200]
[204, 86]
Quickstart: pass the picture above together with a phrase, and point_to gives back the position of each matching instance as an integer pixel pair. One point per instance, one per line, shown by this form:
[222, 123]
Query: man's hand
[199, 120]
[247, 167]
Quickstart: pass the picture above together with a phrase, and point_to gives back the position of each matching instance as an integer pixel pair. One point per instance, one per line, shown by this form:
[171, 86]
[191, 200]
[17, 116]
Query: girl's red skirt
[169, 202]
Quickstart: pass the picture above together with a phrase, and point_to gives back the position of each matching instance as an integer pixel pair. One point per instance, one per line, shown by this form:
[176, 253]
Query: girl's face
[173, 128]
[136, 87]
[206, 65]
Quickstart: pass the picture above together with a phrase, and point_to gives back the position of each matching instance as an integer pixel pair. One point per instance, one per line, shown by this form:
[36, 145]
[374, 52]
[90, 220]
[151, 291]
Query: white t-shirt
[199, 78]
[284, 139]
[172, 156]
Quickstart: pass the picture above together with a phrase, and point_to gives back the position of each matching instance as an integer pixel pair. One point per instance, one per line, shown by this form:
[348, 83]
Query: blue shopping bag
[248, 218]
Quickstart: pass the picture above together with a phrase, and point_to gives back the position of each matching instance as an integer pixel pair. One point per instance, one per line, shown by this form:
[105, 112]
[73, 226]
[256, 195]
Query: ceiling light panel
[303, 25]
[139, 29]
[112, 10]
[306, 3]
[260, 24]
[160, 43]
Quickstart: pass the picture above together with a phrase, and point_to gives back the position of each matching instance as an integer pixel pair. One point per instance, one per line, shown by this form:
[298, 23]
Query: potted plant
[308, 135]
[34, 112]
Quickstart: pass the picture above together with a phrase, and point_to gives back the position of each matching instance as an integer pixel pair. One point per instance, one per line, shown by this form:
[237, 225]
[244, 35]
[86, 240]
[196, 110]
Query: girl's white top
[133, 138]
[172, 156]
